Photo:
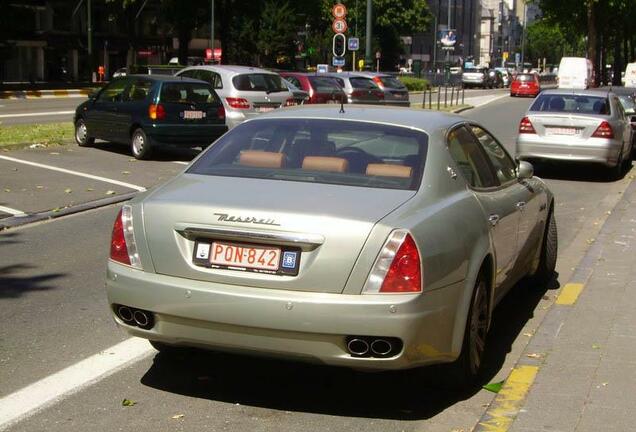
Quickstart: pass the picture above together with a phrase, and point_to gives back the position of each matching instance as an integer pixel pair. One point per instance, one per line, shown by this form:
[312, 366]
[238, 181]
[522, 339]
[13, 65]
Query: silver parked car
[359, 89]
[577, 126]
[395, 92]
[245, 91]
[374, 238]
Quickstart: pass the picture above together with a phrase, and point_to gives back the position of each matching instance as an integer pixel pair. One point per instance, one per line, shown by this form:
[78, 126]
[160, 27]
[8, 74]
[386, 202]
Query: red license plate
[244, 256]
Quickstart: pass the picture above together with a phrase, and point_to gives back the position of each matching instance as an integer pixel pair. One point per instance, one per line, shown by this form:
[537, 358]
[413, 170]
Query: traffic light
[339, 45]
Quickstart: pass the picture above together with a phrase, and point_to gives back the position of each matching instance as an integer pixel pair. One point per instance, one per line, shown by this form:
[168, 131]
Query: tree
[545, 40]
[276, 32]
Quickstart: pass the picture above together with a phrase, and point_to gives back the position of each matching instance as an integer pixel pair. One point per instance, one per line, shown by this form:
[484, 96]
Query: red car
[321, 89]
[525, 85]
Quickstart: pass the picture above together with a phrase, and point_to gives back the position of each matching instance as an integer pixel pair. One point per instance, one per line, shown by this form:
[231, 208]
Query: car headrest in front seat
[557, 103]
[261, 159]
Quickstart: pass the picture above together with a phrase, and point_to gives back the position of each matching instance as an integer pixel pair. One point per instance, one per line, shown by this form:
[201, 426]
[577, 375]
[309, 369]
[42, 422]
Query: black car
[148, 111]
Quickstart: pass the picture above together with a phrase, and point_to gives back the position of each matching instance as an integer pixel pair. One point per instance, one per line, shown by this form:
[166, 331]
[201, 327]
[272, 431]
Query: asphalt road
[53, 314]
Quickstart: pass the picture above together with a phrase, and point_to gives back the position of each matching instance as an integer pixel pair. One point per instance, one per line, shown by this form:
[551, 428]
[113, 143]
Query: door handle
[521, 205]
[493, 219]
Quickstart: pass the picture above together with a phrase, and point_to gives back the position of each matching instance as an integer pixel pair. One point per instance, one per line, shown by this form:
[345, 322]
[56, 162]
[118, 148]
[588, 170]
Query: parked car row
[200, 103]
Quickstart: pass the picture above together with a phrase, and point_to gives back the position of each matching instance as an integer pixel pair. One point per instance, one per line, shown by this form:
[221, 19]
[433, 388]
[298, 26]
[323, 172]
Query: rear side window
[187, 93]
[293, 80]
[259, 82]
[362, 83]
[470, 159]
[349, 153]
[570, 103]
[113, 91]
[138, 90]
[392, 82]
[505, 168]
[325, 84]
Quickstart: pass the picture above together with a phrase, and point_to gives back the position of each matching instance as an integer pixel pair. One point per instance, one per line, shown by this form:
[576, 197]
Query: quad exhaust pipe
[370, 346]
[135, 317]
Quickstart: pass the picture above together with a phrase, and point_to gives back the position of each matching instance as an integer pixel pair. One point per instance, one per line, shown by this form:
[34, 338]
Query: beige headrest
[261, 159]
[325, 163]
[389, 170]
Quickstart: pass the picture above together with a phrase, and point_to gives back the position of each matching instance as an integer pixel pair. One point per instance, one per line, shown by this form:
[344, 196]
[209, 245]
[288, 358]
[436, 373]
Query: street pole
[355, 34]
[447, 68]
[435, 45]
[89, 32]
[368, 54]
[212, 25]
[523, 34]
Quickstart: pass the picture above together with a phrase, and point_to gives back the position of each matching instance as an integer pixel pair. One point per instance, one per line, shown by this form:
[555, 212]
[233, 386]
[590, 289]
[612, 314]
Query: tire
[81, 134]
[467, 369]
[627, 161]
[140, 146]
[548, 254]
[616, 172]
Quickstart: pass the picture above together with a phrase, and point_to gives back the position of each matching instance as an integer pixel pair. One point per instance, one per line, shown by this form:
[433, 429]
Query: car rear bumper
[185, 134]
[289, 324]
[598, 151]
[525, 92]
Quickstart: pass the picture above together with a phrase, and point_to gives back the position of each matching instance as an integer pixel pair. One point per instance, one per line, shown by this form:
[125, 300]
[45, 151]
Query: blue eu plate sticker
[289, 260]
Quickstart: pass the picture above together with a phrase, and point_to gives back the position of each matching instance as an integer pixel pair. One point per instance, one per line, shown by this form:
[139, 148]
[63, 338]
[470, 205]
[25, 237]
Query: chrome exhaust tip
[358, 347]
[381, 347]
[141, 319]
[125, 314]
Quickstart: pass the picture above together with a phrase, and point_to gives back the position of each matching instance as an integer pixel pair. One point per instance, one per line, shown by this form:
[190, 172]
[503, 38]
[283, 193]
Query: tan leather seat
[262, 159]
[325, 163]
[389, 170]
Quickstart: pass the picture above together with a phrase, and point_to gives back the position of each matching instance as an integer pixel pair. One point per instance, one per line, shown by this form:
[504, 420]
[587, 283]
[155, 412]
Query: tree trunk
[184, 40]
[618, 61]
[591, 37]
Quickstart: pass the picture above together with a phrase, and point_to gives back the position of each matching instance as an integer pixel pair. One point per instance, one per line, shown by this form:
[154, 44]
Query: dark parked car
[148, 111]
[321, 89]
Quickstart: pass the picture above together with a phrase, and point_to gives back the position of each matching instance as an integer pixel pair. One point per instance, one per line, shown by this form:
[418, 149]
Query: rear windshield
[525, 77]
[187, 93]
[473, 70]
[324, 84]
[391, 82]
[337, 152]
[569, 103]
[259, 82]
[363, 83]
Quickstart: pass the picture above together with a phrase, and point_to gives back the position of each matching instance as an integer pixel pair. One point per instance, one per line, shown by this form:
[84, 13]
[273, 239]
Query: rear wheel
[616, 171]
[81, 134]
[549, 248]
[140, 145]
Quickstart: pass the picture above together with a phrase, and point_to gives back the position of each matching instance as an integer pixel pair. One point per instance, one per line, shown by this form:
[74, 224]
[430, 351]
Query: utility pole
[368, 54]
[89, 32]
[523, 34]
[212, 25]
[448, 29]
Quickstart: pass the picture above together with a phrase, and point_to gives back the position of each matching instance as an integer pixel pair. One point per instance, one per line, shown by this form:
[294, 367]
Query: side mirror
[525, 170]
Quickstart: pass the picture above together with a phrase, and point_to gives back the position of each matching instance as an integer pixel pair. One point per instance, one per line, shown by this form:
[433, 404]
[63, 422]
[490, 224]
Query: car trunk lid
[574, 127]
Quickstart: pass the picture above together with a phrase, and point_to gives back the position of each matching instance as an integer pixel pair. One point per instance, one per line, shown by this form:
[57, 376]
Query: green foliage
[414, 84]
[275, 37]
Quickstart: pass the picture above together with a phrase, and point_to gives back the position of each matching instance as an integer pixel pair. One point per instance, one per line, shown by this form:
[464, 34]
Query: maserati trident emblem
[224, 217]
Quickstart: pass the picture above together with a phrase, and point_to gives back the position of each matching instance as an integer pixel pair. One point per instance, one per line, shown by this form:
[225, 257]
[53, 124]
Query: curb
[44, 94]
[16, 221]
[503, 410]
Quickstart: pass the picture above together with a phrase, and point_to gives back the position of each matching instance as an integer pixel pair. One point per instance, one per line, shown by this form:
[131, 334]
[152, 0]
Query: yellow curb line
[504, 409]
[569, 294]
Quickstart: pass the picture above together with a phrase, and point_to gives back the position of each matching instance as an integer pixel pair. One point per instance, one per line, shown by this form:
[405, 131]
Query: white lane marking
[35, 114]
[180, 162]
[490, 101]
[12, 212]
[37, 396]
[77, 173]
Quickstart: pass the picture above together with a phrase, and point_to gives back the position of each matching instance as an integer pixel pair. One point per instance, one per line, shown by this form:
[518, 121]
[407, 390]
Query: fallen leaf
[14, 169]
[132, 160]
[39, 187]
[110, 192]
[55, 210]
[546, 297]
[457, 430]
[604, 384]
[68, 190]
[7, 190]
[89, 189]
[528, 334]
[178, 416]
[54, 153]
[595, 346]
[534, 355]
[125, 172]
[494, 387]
[590, 240]
[128, 403]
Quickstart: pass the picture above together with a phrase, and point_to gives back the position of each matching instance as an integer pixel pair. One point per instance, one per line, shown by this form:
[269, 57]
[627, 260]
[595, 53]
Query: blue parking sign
[353, 44]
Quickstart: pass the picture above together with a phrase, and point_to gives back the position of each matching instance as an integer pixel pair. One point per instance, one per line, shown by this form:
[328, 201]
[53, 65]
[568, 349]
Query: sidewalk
[580, 366]
[44, 94]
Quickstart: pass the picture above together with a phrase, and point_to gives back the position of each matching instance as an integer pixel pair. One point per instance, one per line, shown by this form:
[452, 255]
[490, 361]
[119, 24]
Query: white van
[630, 75]
[575, 72]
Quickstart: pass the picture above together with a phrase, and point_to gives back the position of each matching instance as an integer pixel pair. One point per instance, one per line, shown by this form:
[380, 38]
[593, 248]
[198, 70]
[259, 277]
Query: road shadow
[290, 386]
[166, 153]
[576, 172]
[13, 281]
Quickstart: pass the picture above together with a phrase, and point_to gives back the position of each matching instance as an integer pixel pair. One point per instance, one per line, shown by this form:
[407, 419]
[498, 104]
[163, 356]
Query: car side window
[113, 91]
[211, 77]
[138, 91]
[505, 168]
[294, 81]
[619, 107]
[470, 159]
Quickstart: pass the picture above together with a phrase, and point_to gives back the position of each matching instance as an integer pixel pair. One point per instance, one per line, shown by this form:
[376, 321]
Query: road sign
[339, 10]
[339, 25]
[353, 43]
[338, 61]
[322, 68]
[410, 62]
[378, 55]
[517, 58]
[339, 45]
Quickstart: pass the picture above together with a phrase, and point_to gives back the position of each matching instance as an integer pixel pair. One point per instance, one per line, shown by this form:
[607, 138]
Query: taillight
[290, 102]
[358, 93]
[123, 247]
[220, 112]
[398, 267]
[379, 94]
[156, 112]
[379, 82]
[603, 131]
[525, 126]
[238, 103]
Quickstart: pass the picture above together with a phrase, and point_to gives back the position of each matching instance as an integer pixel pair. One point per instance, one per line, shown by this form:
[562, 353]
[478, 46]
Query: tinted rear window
[363, 83]
[259, 82]
[392, 82]
[324, 84]
[319, 151]
[525, 78]
[473, 70]
[184, 92]
[571, 104]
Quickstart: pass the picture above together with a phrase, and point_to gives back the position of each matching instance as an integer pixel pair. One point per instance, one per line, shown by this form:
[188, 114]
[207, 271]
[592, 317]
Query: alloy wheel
[478, 327]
